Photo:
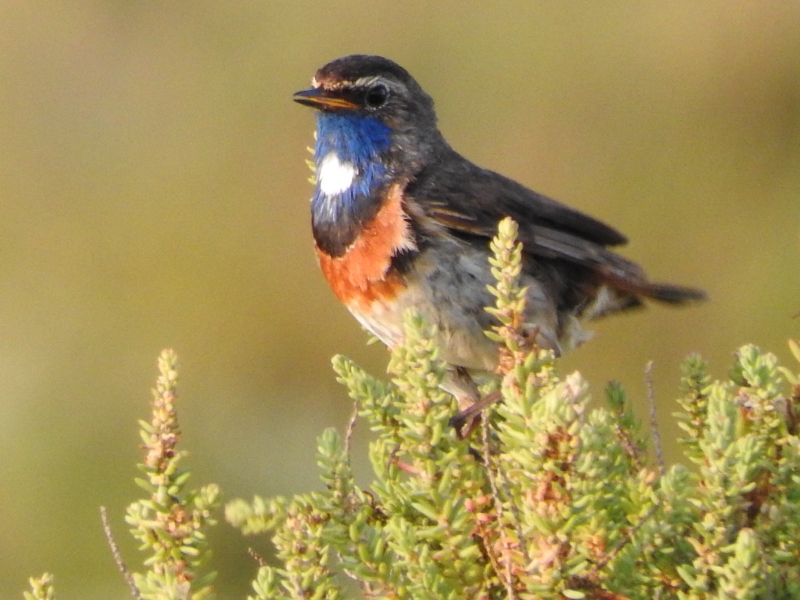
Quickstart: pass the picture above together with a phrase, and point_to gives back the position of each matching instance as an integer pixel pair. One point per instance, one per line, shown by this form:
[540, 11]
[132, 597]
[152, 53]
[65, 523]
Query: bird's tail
[669, 293]
[623, 294]
[628, 279]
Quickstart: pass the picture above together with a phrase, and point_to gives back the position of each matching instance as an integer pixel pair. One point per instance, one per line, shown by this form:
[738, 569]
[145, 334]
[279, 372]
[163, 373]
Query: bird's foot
[468, 419]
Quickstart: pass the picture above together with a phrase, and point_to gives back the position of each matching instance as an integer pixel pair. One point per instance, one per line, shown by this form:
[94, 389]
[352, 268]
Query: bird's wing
[469, 200]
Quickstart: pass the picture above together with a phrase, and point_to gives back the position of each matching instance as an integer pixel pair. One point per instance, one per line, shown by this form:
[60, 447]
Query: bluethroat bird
[401, 220]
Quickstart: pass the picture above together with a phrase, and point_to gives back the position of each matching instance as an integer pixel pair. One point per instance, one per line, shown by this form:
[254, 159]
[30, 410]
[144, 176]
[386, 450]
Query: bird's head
[376, 128]
[370, 108]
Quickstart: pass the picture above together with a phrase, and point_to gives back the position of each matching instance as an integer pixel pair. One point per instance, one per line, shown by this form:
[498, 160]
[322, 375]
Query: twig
[487, 462]
[257, 557]
[628, 445]
[517, 516]
[625, 540]
[348, 437]
[135, 593]
[651, 397]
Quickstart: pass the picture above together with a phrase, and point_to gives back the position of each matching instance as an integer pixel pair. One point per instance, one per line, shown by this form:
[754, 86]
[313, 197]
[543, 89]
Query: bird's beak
[322, 99]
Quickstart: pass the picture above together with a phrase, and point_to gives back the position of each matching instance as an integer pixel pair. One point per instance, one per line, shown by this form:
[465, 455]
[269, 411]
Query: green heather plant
[169, 523]
[551, 499]
[546, 499]
[41, 588]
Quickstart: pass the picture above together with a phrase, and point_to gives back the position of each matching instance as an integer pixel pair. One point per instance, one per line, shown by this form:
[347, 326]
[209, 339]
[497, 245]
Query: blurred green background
[153, 193]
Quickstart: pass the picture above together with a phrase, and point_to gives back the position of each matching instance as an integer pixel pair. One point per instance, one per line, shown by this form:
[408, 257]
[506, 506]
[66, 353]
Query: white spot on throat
[335, 176]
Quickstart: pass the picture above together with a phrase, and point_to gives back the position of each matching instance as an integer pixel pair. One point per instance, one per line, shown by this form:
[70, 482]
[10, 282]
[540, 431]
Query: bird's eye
[376, 96]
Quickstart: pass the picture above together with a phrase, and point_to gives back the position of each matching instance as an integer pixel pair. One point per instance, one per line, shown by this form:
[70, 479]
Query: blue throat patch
[358, 140]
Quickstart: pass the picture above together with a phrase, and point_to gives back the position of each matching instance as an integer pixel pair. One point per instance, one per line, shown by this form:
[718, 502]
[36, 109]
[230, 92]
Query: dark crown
[349, 69]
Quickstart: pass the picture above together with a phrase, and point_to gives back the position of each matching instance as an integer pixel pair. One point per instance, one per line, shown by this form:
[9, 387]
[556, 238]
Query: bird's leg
[472, 414]
[460, 384]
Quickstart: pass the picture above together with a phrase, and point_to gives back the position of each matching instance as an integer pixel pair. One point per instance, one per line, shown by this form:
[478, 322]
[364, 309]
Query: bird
[402, 221]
